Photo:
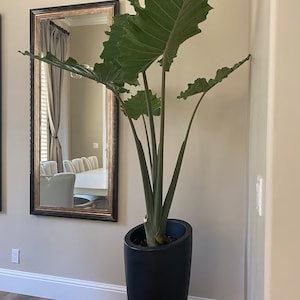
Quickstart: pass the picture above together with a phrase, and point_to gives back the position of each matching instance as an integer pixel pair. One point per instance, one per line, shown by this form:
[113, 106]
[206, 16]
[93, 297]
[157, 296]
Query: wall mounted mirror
[74, 121]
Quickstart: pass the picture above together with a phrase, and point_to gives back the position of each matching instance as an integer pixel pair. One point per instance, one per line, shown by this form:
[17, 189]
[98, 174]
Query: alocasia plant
[152, 35]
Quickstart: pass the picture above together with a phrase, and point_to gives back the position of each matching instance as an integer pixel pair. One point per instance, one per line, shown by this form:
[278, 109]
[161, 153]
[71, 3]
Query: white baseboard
[61, 288]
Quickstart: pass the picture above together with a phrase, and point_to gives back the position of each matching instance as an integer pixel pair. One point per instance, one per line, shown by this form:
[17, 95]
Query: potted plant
[152, 35]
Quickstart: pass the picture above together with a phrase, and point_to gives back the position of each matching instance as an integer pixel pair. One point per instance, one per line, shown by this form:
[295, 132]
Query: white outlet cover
[259, 195]
[15, 256]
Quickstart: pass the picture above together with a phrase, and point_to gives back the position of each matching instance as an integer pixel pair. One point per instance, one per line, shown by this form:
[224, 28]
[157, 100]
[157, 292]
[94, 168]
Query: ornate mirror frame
[109, 212]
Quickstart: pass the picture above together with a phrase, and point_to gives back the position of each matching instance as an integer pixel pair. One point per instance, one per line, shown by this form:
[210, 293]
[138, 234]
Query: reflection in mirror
[74, 120]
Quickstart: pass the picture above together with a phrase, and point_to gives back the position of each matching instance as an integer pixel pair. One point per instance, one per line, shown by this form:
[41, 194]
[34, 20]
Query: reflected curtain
[55, 40]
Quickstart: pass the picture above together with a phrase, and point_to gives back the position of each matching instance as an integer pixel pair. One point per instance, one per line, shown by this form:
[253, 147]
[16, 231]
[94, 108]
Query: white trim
[197, 298]
[61, 288]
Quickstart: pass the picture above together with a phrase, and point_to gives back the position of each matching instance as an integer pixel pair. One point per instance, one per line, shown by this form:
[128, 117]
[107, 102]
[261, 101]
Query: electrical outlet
[95, 145]
[15, 256]
[259, 195]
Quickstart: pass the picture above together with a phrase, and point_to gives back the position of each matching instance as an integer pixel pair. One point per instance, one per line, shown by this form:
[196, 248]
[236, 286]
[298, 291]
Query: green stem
[148, 192]
[152, 129]
[158, 192]
[170, 194]
[148, 142]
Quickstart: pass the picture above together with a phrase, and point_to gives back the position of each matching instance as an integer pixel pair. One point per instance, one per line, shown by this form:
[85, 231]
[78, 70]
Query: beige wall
[212, 189]
[86, 96]
[283, 223]
[259, 48]
[275, 147]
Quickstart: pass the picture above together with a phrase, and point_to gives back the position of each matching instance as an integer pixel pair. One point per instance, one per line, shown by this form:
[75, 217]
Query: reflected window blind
[44, 128]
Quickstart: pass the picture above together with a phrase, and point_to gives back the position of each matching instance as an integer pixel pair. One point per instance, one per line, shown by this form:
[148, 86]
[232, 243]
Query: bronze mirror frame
[108, 213]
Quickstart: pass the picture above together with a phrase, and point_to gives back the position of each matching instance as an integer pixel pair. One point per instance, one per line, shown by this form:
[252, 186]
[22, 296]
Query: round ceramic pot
[162, 272]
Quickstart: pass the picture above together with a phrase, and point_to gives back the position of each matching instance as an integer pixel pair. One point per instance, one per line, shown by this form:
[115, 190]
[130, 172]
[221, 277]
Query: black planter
[159, 273]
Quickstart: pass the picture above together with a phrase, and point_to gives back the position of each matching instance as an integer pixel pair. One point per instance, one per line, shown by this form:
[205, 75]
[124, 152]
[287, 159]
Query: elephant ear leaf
[136, 106]
[111, 51]
[155, 31]
[201, 85]
[106, 73]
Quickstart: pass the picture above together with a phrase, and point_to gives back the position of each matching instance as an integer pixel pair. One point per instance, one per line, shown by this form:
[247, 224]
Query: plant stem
[148, 142]
[153, 157]
[148, 192]
[172, 187]
[159, 174]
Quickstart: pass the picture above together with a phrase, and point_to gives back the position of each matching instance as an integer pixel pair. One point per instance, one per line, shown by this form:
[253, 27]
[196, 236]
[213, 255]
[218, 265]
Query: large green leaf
[201, 85]
[156, 31]
[111, 51]
[137, 105]
[105, 73]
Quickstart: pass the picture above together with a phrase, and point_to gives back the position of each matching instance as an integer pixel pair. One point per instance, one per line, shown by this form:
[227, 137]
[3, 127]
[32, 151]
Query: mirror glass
[74, 121]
